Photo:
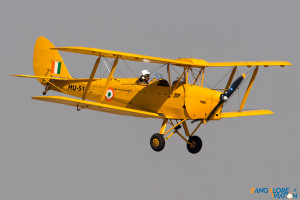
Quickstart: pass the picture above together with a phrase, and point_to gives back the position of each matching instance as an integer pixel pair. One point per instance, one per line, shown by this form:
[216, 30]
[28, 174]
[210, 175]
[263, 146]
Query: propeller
[225, 96]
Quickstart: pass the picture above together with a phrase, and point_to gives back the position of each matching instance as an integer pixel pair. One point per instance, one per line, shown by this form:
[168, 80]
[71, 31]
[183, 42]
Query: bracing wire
[129, 67]
[222, 78]
[194, 74]
[159, 67]
[207, 85]
[251, 70]
[175, 70]
[116, 68]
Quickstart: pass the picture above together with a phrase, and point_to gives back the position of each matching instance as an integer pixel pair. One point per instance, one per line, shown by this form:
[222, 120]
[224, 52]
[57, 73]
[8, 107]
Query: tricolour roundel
[110, 93]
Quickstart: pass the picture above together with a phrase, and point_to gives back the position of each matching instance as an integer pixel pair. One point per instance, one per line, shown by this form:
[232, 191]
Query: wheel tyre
[157, 142]
[196, 144]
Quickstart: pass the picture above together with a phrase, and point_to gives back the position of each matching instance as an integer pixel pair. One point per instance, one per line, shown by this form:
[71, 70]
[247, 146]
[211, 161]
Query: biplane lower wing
[82, 104]
[245, 113]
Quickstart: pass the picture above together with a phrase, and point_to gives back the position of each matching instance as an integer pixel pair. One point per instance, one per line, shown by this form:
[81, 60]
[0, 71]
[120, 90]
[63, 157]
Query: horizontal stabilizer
[42, 77]
[245, 113]
[55, 78]
[82, 104]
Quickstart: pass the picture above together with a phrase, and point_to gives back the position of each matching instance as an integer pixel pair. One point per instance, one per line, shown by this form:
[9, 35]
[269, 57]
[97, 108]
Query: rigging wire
[234, 108]
[129, 68]
[222, 78]
[105, 71]
[207, 85]
[159, 67]
[251, 70]
[116, 68]
[175, 70]
[106, 66]
[193, 74]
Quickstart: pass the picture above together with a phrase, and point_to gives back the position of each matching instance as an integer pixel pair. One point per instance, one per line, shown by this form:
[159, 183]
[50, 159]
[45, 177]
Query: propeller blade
[226, 95]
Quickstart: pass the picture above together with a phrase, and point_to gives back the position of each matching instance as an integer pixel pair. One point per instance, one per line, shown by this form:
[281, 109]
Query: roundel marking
[110, 93]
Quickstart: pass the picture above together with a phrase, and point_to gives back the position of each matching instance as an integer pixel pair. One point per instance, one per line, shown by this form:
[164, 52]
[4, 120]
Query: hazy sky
[49, 151]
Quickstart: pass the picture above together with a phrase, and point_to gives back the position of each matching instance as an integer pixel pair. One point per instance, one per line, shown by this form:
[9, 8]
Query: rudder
[47, 62]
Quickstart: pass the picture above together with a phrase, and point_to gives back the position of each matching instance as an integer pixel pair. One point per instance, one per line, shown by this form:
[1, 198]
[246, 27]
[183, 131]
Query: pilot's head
[145, 75]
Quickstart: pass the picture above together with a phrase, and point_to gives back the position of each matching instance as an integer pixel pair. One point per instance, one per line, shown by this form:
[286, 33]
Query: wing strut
[248, 88]
[186, 76]
[202, 78]
[230, 78]
[178, 81]
[169, 75]
[109, 78]
[91, 78]
[196, 79]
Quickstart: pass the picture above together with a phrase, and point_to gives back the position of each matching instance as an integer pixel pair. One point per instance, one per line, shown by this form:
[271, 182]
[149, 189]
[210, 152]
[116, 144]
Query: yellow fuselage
[186, 101]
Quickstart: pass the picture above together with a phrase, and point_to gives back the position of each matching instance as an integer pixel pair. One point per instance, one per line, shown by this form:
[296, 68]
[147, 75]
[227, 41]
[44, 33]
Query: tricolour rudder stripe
[45, 59]
[52, 66]
[58, 67]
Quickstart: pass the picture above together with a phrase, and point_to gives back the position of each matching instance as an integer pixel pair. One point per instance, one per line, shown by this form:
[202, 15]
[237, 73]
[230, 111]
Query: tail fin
[47, 62]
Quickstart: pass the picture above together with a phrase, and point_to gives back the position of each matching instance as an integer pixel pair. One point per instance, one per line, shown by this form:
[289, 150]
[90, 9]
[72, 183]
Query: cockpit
[161, 81]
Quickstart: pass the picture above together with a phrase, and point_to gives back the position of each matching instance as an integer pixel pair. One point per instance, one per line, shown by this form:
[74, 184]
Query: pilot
[144, 78]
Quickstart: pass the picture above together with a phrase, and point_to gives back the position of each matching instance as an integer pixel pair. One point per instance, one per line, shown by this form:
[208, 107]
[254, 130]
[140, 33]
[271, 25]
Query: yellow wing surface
[196, 63]
[41, 77]
[82, 104]
[249, 63]
[245, 113]
[123, 55]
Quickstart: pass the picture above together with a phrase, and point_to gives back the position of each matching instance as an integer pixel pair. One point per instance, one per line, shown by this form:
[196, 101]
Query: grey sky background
[49, 151]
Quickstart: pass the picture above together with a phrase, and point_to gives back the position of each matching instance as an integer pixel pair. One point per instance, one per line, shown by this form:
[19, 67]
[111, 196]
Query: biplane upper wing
[249, 63]
[82, 104]
[191, 62]
[245, 113]
[123, 55]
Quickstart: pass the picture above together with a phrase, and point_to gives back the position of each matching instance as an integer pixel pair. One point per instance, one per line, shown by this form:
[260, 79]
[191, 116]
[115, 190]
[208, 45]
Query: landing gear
[157, 142]
[195, 144]
[46, 89]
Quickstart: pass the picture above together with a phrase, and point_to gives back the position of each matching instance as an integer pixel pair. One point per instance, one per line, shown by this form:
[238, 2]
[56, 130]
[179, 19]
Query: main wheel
[195, 146]
[157, 142]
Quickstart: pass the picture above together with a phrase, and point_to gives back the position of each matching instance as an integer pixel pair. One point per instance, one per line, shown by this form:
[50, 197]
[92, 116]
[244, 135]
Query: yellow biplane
[173, 102]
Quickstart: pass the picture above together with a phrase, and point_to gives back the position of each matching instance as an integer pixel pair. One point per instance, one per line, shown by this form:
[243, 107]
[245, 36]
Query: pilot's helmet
[145, 73]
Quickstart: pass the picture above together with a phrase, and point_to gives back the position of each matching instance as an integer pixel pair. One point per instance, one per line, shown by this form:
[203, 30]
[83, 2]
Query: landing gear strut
[46, 88]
